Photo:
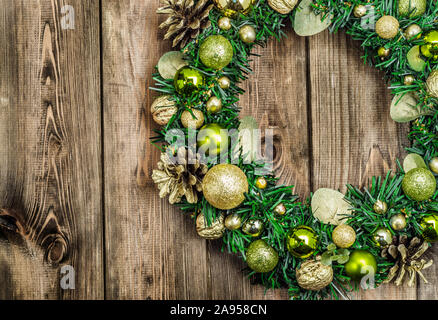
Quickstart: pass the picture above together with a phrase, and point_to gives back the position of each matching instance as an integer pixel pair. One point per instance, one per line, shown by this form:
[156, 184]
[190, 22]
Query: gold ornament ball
[224, 186]
[433, 165]
[302, 241]
[387, 27]
[253, 228]
[214, 105]
[224, 82]
[224, 23]
[419, 184]
[359, 11]
[261, 183]
[430, 48]
[313, 275]
[232, 8]
[193, 119]
[382, 237]
[344, 236]
[360, 261]
[261, 257]
[280, 209]
[432, 84]
[412, 31]
[247, 34]
[398, 222]
[429, 225]
[382, 52]
[188, 80]
[380, 207]
[212, 139]
[408, 80]
[213, 231]
[233, 221]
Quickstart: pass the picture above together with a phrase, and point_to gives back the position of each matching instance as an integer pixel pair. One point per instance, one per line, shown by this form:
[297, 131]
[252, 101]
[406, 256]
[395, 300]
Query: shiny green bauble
[430, 47]
[302, 241]
[212, 139]
[361, 262]
[188, 80]
[419, 184]
[216, 52]
[254, 228]
[413, 8]
[429, 224]
[261, 257]
[232, 8]
[382, 237]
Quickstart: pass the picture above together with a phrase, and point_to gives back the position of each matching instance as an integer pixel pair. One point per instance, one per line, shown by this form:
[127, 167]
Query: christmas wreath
[331, 243]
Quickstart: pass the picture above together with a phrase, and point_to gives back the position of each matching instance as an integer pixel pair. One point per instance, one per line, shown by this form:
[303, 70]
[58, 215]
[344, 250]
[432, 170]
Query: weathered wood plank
[50, 154]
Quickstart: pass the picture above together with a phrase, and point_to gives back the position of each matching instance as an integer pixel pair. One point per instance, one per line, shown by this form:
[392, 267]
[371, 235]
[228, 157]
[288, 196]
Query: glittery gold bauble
[359, 264]
[224, 82]
[224, 23]
[247, 34]
[280, 209]
[408, 80]
[359, 11]
[419, 184]
[188, 80]
[261, 257]
[253, 228]
[231, 8]
[430, 47]
[433, 165]
[429, 225]
[163, 109]
[382, 52]
[261, 183]
[212, 139]
[380, 207]
[382, 237]
[216, 52]
[214, 105]
[193, 119]
[344, 236]
[398, 222]
[432, 84]
[224, 186]
[313, 275]
[302, 241]
[412, 31]
[233, 221]
[213, 231]
[282, 6]
[387, 27]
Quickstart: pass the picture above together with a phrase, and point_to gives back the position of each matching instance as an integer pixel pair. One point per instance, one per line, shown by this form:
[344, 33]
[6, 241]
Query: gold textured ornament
[224, 186]
[433, 165]
[224, 82]
[247, 34]
[216, 52]
[380, 207]
[387, 27]
[224, 23]
[261, 183]
[233, 221]
[283, 6]
[398, 222]
[254, 228]
[432, 84]
[212, 139]
[214, 105]
[215, 230]
[429, 225]
[382, 237]
[313, 275]
[359, 11]
[280, 209]
[163, 109]
[430, 47]
[193, 119]
[344, 236]
[261, 257]
[414, 30]
[232, 8]
[382, 52]
[408, 80]
[302, 241]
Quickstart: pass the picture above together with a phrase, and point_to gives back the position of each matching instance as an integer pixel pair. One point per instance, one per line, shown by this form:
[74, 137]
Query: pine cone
[186, 19]
[406, 253]
[181, 177]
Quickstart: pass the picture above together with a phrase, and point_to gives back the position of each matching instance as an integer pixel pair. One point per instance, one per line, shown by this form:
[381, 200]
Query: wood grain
[50, 162]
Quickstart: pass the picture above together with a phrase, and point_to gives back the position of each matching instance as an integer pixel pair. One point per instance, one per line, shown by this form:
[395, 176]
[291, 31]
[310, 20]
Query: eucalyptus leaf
[249, 138]
[307, 23]
[413, 161]
[329, 206]
[344, 252]
[405, 108]
[335, 257]
[170, 63]
[343, 259]
[326, 258]
[331, 247]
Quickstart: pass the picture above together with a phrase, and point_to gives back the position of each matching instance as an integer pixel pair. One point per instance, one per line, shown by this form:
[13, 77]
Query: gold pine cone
[163, 109]
[313, 275]
[432, 84]
[214, 231]
[387, 27]
[282, 6]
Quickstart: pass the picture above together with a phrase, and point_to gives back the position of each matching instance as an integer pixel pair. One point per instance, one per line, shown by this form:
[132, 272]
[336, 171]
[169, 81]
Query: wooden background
[75, 162]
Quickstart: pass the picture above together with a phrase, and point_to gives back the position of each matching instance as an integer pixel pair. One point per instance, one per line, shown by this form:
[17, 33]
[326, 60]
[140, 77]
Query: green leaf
[413, 161]
[343, 259]
[326, 259]
[344, 252]
[405, 108]
[331, 247]
[307, 23]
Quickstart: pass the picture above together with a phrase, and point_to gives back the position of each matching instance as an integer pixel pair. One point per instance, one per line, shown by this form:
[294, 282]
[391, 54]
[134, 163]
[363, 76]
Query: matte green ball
[216, 52]
[416, 8]
[429, 224]
[359, 264]
[302, 241]
[188, 80]
[419, 184]
[261, 257]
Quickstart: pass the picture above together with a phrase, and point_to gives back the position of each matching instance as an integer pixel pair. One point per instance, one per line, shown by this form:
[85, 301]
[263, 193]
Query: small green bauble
[261, 257]
[188, 80]
[413, 8]
[383, 52]
[398, 222]
[261, 183]
[433, 165]
[214, 105]
[360, 264]
[253, 228]
[419, 184]
[212, 139]
[233, 222]
[382, 237]
[247, 34]
[302, 241]
[216, 52]
[430, 47]
[429, 224]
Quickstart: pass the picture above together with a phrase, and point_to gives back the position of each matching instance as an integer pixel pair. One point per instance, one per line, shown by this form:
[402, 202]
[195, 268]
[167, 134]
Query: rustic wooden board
[50, 158]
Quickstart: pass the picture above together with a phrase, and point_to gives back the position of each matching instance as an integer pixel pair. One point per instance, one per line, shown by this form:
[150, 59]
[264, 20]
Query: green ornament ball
[413, 8]
[429, 225]
[382, 237]
[261, 257]
[188, 80]
[430, 47]
[254, 228]
[361, 262]
[212, 139]
[216, 52]
[302, 241]
[419, 184]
